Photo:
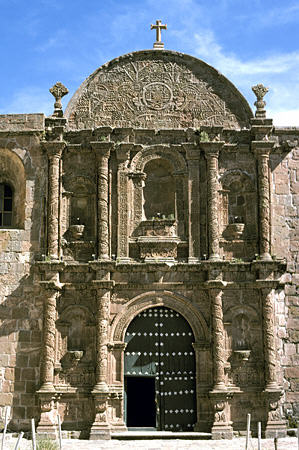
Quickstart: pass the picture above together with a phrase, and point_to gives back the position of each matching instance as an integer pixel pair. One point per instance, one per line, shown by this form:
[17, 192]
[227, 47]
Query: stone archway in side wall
[154, 299]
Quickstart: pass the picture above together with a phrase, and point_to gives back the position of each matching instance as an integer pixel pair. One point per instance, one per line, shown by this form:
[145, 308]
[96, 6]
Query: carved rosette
[269, 338]
[212, 153]
[218, 339]
[262, 152]
[54, 151]
[51, 292]
[102, 150]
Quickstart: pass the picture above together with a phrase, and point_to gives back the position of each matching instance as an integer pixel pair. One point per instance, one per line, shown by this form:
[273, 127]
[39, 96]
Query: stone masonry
[157, 188]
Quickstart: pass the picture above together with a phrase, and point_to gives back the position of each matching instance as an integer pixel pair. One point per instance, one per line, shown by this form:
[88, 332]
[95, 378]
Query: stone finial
[260, 91]
[158, 27]
[58, 91]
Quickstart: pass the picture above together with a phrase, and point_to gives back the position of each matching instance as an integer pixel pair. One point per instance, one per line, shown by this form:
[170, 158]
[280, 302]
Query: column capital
[51, 286]
[102, 149]
[192, 150]
[54, 149]
[262, 148]
[212, 148]
[123, 151]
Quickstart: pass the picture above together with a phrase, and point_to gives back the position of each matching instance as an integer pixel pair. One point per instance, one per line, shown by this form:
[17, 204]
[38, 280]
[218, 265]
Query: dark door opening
[141, 405]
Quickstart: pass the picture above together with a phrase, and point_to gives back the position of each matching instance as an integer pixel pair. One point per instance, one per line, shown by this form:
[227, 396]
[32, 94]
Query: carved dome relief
[154, 89]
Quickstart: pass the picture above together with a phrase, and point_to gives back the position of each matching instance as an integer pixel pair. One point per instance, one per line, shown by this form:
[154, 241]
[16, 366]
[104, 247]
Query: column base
[276, 429]
[222, 432]
[193, 260]
[48, 424]
[265, 257]
[214, 257]
[100, 388]
[98, 432]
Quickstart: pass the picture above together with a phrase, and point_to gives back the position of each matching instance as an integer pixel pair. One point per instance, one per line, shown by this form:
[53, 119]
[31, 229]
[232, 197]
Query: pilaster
[193, 156]
[123, 155]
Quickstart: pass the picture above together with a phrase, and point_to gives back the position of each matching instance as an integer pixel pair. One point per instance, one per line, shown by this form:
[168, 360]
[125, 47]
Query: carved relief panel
[156, 90]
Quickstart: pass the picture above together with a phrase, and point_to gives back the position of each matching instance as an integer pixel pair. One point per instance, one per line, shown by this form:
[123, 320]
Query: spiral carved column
[218, 339]
[51, 292]
[269, 338]
[262, 151]
[102, 150]
[100, 428]
[54, 151]
[212, 153]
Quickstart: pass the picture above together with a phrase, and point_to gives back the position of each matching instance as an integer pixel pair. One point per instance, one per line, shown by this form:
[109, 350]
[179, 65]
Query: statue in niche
[241, 332]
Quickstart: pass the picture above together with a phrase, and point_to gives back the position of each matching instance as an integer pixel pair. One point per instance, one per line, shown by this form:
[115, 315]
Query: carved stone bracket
[262, 151]
[212, 150]
[54, 151]
[102, 151]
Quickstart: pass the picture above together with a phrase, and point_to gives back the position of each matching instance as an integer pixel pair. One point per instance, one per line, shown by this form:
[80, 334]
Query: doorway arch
[160, 371]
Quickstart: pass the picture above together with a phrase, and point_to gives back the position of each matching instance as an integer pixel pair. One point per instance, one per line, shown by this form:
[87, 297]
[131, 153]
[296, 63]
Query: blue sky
[44, 41]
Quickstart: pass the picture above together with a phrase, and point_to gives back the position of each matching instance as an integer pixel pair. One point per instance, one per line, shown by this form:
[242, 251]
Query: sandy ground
[289, 443]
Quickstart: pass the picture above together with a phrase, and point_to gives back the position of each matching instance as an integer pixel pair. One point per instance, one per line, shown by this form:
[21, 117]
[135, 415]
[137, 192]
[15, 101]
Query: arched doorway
[160, 371]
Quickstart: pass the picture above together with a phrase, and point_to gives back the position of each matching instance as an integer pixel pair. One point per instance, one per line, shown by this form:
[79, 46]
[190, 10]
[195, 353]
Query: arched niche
[238, 220]
[80, 205]
[159, 192]
[12, 175]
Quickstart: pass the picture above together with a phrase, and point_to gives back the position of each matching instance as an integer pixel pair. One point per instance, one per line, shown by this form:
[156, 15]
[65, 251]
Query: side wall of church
[285, 243]
[23, 167]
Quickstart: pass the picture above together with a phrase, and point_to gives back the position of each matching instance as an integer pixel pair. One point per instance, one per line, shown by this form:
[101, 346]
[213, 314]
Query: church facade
[149, 256]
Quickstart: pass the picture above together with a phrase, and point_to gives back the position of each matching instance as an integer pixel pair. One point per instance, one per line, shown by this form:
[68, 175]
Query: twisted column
[193, 155]
[103, 312]
[269, 338]
[262, 151]
[102, 150]
[54, 151]
[51, 292]
[212, 153]
[218, 338]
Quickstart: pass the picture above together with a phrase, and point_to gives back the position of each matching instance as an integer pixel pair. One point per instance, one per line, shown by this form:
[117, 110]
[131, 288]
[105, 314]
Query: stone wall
[285, 243]
[20, 307]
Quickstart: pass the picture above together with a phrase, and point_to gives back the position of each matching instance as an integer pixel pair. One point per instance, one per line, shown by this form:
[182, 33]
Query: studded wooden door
[159, 345]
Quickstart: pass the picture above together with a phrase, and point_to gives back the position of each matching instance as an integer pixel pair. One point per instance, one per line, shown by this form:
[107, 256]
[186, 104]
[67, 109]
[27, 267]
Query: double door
[160, 372]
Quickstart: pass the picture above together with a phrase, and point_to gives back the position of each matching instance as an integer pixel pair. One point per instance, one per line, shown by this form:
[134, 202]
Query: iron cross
[158, 27]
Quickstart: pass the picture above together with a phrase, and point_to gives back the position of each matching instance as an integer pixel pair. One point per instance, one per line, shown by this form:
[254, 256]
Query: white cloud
[285, 118]
[30, 100]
